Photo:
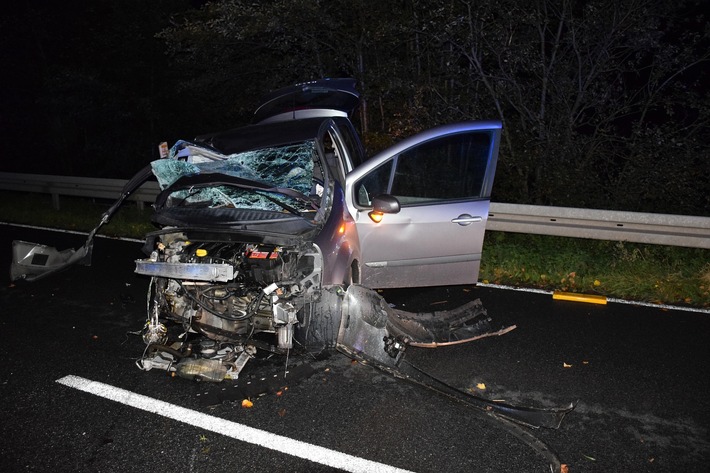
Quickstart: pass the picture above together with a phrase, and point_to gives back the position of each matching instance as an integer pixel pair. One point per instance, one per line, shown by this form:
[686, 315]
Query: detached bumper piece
[464, 324]
[34, 261]
[374, 333]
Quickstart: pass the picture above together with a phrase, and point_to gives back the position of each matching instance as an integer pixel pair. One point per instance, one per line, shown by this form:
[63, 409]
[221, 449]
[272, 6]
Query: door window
[375, 183]
[452, 167]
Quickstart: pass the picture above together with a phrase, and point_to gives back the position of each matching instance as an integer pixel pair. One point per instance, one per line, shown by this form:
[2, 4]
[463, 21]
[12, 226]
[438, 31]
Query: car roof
[263, 135]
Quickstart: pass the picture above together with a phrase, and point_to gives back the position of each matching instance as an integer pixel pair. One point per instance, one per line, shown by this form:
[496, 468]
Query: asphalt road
[640, 377]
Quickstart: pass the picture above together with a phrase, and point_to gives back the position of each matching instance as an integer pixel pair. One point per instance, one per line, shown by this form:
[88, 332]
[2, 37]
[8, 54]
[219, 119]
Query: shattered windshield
[289, 166]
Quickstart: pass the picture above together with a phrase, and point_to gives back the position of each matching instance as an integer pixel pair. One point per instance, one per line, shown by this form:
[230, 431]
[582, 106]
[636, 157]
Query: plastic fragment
[247, 404]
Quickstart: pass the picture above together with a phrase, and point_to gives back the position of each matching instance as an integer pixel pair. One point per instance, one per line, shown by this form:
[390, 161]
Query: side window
[373, 184]
[333, 156]
[352, 142]
[447, 168]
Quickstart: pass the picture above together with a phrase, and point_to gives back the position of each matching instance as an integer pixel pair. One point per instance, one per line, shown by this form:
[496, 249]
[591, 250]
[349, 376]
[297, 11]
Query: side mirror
[381, 205]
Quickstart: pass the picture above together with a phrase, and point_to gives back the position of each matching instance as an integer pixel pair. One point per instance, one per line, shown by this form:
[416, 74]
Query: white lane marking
[237, 431]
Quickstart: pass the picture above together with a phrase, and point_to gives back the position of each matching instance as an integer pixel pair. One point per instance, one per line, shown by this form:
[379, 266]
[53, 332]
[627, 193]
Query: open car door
[432, 193]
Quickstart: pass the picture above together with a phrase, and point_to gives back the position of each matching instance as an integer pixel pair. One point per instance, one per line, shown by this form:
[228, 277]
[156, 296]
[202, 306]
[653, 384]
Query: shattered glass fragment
[289, 166]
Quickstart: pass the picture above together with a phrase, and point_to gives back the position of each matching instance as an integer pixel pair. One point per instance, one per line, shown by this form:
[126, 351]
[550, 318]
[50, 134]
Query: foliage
[603, 102]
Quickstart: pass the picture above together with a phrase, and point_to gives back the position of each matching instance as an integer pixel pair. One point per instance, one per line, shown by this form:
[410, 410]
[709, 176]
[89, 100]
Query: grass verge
[648, 273]
[75, 213]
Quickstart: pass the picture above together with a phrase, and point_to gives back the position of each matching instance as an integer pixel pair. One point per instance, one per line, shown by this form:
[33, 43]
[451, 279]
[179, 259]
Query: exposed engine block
[230, 291]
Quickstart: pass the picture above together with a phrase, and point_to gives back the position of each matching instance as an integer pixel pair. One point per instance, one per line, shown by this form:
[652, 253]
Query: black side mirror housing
[386, 204]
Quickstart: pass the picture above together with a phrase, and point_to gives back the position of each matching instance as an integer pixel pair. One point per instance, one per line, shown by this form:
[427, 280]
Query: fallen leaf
[597, 283]
[564, 468]
[246, 403]
[481, 386]
[279, 393]
[565, 365]
[585, 362]
[94, 337]
[282, 412]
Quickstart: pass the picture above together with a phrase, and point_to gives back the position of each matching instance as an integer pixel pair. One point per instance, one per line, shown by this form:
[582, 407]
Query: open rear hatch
[321, 98]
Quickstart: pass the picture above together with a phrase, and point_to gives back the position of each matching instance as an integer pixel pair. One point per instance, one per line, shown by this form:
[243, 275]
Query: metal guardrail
[76, 186]
[638, 227]
[673, 230]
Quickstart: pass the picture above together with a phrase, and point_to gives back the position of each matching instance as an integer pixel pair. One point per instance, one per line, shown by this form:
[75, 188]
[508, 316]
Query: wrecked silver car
[272, 237]
[269, 233]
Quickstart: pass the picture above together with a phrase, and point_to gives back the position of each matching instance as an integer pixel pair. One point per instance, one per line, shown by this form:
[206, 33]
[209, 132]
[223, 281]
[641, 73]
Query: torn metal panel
[363, 330]
[32, 261]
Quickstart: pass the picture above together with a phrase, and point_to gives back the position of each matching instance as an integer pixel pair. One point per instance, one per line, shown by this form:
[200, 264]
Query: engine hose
[254, 306]
[214, 312]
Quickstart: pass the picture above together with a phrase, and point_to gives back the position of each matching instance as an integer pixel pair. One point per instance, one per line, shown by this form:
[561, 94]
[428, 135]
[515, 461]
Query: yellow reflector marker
[376, 216]
[201, 252]
[570, 296]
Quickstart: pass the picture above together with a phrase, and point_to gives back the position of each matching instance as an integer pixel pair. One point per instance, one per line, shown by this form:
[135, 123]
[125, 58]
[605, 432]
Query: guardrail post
[55, 201]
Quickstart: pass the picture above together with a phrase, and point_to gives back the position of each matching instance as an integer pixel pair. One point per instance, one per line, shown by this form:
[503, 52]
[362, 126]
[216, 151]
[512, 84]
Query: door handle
[466, 219]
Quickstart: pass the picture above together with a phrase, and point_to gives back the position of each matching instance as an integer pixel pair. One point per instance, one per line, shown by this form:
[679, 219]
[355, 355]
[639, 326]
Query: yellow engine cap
[201, 252]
